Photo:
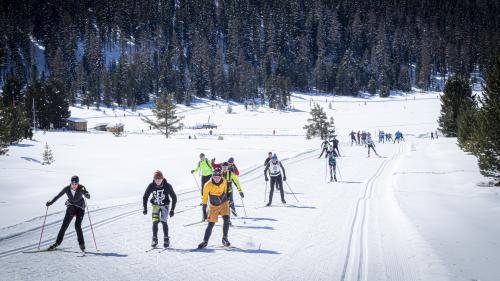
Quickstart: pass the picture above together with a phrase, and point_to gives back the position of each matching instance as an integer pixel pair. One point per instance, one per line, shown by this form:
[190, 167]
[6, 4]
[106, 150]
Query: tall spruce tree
[168, 121]
[457, 95]
[488, 129]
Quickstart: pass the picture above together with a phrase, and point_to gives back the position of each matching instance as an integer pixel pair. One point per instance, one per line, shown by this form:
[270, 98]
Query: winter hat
[201, 154]
[216, 172]
[231, 160]
[75, 179]
[225, 165]
[274, 157]
[158, 175]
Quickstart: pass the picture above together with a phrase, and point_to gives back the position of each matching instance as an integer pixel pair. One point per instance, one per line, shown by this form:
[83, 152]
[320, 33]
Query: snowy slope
[414, 214]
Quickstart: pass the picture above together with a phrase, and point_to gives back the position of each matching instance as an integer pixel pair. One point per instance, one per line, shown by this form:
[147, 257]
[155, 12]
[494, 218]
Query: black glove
[48, 203]
[192, 171]
[87, 195]
[145, 211]
[242, 195]
[284, 178]
[205, 216]
[171, 213]
[267, 179]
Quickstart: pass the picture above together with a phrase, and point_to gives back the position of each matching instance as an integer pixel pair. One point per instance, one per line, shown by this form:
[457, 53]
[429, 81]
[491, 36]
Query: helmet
[216, 172]
[274, 157]
[75, 179]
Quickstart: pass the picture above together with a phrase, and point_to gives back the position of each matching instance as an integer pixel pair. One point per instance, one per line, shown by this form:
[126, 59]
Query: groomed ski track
[350, 230]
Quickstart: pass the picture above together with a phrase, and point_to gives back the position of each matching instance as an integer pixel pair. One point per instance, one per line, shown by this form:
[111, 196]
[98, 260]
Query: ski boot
[331, 179]
[283, 201]
[53, 247]
[154, 243]
[202, 245]
[233, 211]
[335, 178]
[268, 204]
[166, 242]
[82, 247]
[225, 242]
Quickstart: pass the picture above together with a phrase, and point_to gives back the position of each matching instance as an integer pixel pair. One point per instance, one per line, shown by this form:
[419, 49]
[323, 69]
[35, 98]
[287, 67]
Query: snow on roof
[76, 120]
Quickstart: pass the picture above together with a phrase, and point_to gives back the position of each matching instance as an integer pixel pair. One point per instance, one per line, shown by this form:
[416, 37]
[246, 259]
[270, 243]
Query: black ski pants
[71, 212]
[279, 182]
[210, 226]
[165, 229]
[371, 147]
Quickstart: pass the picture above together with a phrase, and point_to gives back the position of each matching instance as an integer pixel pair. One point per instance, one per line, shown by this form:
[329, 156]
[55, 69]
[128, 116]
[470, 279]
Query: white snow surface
[419, 212]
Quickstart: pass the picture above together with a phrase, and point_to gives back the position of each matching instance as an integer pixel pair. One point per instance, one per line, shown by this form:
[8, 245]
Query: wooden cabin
[77, 124]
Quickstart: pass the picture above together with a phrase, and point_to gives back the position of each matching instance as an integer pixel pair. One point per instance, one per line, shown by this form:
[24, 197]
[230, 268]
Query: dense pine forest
[121, 53]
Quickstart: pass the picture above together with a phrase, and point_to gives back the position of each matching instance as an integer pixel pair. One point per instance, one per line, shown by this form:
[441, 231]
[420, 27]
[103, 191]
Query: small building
[77, 124]
[101, 127]
[115, 128]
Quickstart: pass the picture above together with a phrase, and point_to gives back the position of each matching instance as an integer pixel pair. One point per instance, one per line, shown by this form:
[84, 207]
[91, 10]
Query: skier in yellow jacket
[216, 190]
[231, 178]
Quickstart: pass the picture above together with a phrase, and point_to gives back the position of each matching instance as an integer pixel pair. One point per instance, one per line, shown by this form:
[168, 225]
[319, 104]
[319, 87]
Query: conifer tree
[48, 157]
[165, 111]
[318, 123]
[457, 94]
[488, 129]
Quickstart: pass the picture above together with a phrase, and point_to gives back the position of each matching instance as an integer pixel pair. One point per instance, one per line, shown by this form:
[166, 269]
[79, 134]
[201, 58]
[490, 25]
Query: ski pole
[326, 169]
[338, 169]
[43, 226]
[244, 209]
[292, 191]
[197, 185]
[265, 193]
[91, 228]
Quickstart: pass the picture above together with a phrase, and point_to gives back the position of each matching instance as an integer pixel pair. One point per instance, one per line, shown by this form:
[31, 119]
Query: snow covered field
[417, 213]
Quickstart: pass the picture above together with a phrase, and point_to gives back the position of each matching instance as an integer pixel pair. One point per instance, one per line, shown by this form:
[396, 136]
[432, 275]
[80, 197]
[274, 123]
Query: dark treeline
[244, 49]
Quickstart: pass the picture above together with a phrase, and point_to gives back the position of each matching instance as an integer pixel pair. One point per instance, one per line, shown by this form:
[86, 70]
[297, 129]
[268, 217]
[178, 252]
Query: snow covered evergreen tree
[165, 111]
[48, 157]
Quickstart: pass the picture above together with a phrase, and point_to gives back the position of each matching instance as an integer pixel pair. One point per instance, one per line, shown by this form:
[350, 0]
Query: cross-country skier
[353, 137]
[432, 135]
[160, 202]
[75, 207]
[274, 167]
[335, 144]
[371, 145]
[332, 163]
[324, 147]
[231, 166]
[381, 136]
[359, 138]
[269, 156]
[397, 136]
[231, 178]
[205, 167]
[216, 191]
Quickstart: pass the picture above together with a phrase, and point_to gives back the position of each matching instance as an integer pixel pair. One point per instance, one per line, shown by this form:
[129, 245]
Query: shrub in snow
[220, 138]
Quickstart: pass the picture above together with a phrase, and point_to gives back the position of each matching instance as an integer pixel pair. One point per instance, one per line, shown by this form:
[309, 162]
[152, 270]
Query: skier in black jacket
[75, 206]
[160, 201]
[269, 156]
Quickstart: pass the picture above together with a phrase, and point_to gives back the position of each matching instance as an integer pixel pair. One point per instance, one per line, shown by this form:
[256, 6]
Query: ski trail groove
[355, 265]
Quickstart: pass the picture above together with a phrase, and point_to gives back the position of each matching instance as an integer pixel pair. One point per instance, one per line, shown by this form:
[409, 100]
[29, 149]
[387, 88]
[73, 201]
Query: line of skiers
[360, 138]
